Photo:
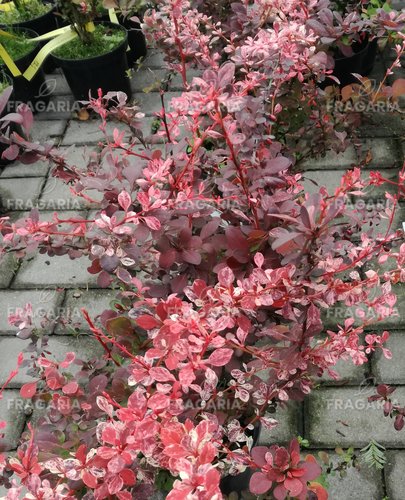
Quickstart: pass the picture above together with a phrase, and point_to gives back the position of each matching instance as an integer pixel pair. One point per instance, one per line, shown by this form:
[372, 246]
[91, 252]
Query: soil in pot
[22, 51]
[36, 16]
[136, 38]
[100, 64]
[361, 62]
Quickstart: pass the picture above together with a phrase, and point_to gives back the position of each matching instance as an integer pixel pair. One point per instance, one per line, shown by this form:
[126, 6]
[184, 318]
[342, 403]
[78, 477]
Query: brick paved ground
[337, 414]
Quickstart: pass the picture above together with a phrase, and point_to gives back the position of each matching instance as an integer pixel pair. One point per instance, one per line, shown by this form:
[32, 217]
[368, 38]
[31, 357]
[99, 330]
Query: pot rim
[94, 58]
[34, 45]
[367, 42]
[33, 19]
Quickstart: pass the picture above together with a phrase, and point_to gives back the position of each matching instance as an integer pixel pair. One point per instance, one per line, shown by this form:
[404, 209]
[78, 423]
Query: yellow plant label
[113, 16]
[6, 34]
[9, 62]
[7, 6]
[46, 50]
[51, 34]
[90, 27]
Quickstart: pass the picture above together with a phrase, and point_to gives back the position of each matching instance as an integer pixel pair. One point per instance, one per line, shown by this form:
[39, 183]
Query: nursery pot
[136, 38]
[41, 25]
[32, 92]
[361, 62]
[107, 71]
[240, 482]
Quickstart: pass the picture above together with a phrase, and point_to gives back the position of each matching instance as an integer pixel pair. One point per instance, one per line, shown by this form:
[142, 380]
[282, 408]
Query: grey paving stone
[314, 179]
[384, 223]
[88, 132]
[48, 215]
[385, 153]
[60, 107]
[14, 197]
[82, 132]
[95, 301]
[48, 130]
[43, 270]
[12, 412]
[377, 193]
[363, 484]
[44, 302]
[17, 169]
[150, 102]
[391, 371]
[383, 124]
[58, 83]
[77, 156]
[146, 78]
[344, 417]
[394, 475]
[288, 427]
[349, 374]
[8, 268]
[337, 315]
[56, 195]
[85, 347]
[177, 80]
[154, 59]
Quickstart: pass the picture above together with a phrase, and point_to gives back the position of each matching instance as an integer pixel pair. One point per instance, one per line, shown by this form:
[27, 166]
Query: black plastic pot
[108, 72]
[361, 62]
[136, 38]
[41, 25]
[33, 92]
[239, 482]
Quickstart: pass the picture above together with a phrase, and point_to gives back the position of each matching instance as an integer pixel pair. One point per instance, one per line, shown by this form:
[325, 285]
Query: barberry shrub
[224, 270]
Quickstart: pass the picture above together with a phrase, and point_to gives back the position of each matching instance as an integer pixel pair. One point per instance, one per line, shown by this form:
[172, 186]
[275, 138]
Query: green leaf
[374, 455]
[118, 327]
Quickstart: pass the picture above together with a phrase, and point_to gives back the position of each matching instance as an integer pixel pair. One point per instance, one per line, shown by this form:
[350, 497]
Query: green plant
[24, 11]
[374, 455]
[17, 45]
[79, 16]
[103, 40]
[125, 7]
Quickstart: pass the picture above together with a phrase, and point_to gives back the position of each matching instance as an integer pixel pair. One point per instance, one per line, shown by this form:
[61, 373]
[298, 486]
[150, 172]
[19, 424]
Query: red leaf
[147, 322]
[124, 200]
[399, 422]
[69, 358]
[161, 374]
[11, 152]
[28, 390]
[220, 357]
[276, 165]
[259, 259]
[70, 388]
[120, 326]
[226, 277]
[398, 87]
[89, 480]
[319, 490]
[152, 223]
[226, 73]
